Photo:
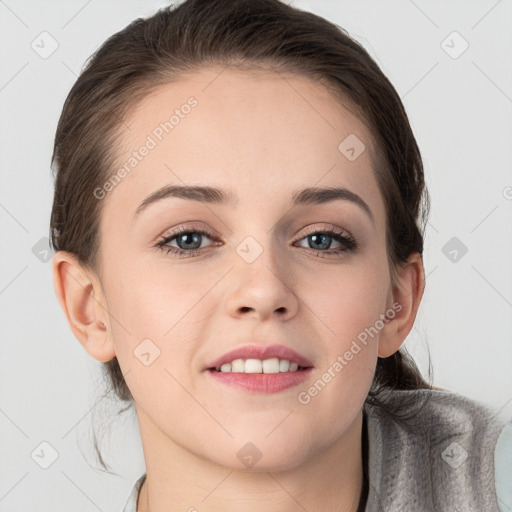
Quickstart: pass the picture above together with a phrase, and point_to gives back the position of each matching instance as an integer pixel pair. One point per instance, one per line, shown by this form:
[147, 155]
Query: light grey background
[461, 112]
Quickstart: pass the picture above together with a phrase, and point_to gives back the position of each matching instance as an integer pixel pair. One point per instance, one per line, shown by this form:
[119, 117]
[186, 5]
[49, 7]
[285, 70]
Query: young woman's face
[267, 272]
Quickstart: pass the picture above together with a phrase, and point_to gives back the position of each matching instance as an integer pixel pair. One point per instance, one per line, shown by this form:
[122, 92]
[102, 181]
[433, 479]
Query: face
[188, 280]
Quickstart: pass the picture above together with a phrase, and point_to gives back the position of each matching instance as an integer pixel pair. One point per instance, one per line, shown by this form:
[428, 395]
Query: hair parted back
[241, 34]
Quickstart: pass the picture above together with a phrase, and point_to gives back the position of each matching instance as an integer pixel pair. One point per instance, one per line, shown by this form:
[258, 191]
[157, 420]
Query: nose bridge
[259, 252]
[257, 244]
[261, 278]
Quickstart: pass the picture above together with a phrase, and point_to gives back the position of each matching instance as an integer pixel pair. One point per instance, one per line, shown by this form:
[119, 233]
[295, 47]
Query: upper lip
[261, 352]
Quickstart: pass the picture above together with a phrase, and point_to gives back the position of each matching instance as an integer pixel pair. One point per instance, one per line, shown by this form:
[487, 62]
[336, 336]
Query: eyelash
[346, 240]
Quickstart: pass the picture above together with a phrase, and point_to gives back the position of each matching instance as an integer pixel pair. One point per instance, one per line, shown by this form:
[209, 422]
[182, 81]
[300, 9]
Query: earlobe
[81, 298]
[406, 299]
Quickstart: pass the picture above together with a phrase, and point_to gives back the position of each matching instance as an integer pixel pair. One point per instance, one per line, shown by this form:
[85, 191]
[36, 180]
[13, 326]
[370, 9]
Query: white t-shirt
[131, 504]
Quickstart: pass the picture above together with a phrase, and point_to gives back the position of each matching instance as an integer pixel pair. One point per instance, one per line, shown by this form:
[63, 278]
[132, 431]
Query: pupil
[325, 245]
[189, 238]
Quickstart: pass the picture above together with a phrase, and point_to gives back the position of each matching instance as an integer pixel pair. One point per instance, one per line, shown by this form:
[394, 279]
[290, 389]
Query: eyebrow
[213, 195]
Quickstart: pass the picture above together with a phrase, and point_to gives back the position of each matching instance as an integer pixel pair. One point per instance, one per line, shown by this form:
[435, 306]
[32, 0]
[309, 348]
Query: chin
[262, 456]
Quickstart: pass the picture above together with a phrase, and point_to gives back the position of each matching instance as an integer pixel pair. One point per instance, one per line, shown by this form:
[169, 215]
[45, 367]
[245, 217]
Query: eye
[320, 240]
[184, 241]
[188, 241]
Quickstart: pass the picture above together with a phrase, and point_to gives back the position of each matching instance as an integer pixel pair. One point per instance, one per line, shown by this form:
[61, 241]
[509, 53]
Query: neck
[178, 480]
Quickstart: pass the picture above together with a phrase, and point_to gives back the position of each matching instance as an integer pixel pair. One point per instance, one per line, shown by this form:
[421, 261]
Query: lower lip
[262, 382]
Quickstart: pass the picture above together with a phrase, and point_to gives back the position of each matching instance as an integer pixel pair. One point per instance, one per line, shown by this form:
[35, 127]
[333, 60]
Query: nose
[262, 290]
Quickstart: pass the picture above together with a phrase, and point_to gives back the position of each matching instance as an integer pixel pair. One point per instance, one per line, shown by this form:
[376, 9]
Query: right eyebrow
[204, 194]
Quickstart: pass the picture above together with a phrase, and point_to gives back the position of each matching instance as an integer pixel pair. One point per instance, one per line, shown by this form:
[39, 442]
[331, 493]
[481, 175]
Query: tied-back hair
[244, 35]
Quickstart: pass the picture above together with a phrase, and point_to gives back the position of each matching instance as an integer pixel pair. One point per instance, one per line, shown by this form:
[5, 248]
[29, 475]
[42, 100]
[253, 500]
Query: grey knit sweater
[444, 453]
[440, 459]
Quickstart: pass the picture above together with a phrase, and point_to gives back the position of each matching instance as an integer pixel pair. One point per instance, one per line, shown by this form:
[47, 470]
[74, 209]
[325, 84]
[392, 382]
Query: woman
[238, 220]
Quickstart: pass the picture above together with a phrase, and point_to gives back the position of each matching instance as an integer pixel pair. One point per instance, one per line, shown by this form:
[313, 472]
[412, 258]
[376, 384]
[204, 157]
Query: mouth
[260, 368]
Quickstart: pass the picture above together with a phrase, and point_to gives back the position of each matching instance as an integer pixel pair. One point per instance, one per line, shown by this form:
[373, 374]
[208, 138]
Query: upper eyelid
[186, 229]
[316, 229]
[202, 228]
[204, 231]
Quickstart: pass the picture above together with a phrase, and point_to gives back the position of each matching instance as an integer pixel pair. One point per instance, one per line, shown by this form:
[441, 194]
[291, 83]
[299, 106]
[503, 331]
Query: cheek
[151, 301]
[152, 315]
[350, 301]
[349, 308]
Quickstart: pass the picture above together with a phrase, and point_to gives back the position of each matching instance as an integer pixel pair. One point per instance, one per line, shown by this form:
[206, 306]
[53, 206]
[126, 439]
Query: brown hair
[243, 34]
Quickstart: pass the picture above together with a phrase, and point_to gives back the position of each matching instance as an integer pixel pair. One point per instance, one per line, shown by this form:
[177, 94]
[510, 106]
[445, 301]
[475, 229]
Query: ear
[81, 298]
[406, 297]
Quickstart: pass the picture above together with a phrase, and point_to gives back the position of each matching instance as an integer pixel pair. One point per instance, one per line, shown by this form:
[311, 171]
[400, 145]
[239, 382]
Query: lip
[261, 383]
[261, 352]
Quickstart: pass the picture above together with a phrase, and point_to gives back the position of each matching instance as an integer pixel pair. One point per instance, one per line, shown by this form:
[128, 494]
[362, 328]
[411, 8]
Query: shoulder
[437, 413]
[438, 450]
[131, 502]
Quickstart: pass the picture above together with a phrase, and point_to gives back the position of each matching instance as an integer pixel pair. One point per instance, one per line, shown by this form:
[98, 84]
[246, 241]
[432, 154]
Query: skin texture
[263, 136]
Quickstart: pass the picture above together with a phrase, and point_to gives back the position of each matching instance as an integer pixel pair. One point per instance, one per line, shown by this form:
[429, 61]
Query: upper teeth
[274, 365]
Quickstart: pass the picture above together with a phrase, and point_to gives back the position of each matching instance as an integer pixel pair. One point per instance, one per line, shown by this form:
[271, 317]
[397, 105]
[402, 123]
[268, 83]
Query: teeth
[273, 365]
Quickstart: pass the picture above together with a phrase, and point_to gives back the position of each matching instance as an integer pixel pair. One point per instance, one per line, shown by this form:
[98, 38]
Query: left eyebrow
[213, 195]
[321, 195]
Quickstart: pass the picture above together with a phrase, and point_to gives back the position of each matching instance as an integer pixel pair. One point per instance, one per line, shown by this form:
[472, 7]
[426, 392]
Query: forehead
[238, 101]
[258, 131]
